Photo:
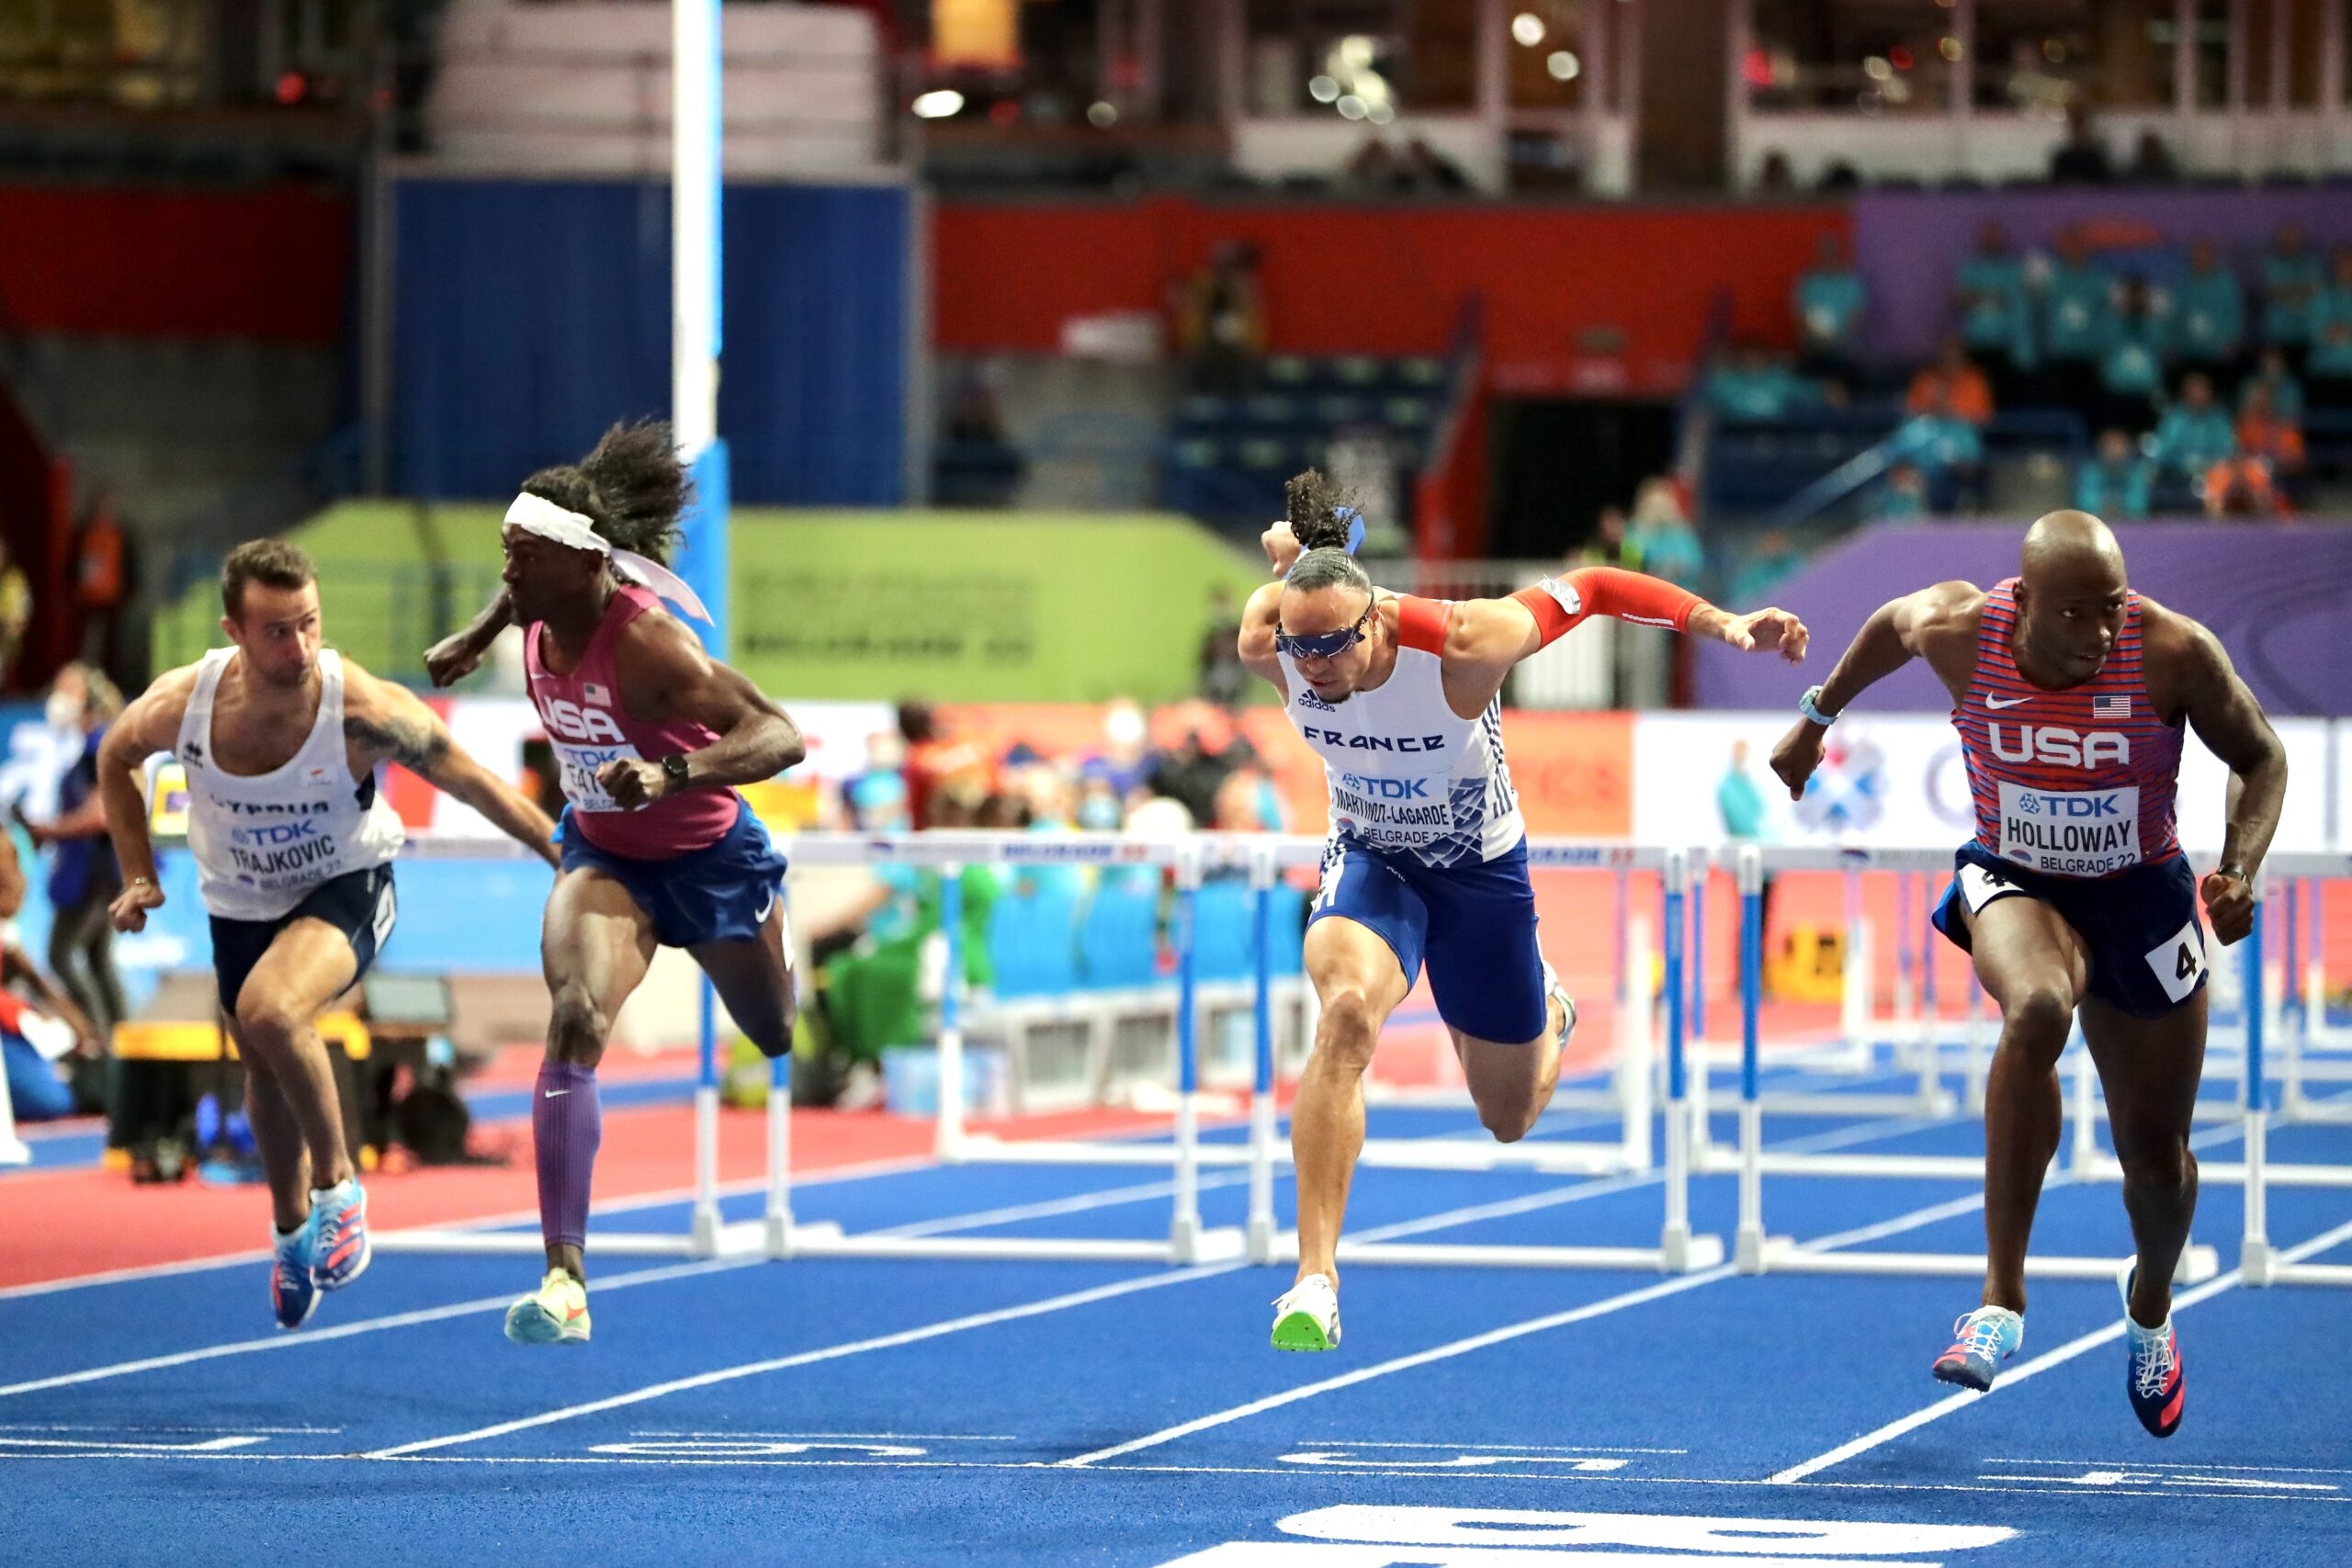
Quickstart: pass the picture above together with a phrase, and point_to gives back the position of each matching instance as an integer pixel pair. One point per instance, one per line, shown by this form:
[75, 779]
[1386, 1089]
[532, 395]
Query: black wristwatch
[673, 769]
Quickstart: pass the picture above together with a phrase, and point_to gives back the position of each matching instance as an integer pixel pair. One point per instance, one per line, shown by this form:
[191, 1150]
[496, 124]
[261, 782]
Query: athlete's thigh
[753, 977]
[595, 939]
[308, 963]
[1365, 935]
[1485, 965]
[2021, 945]
[2149, 1068]
[1346, 957]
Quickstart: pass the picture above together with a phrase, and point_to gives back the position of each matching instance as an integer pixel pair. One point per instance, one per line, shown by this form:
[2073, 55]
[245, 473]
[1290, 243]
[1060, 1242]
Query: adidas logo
[1309, 700]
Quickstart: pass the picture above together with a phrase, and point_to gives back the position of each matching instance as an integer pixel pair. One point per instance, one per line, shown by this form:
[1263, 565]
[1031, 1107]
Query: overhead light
[1356, 51]
[1323, 89]
[1528, 29]
[1352, 107]
[1949, 48]
[1102, 115]
[939, 104]
[1380, 114]
[1563, 65]
[1876, 68]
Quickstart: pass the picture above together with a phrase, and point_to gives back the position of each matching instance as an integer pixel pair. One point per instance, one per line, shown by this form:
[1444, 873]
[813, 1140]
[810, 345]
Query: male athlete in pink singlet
[650, 735]
[2070, 692]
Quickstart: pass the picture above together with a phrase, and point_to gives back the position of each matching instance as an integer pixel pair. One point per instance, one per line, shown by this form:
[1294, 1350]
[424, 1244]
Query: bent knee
[1510, 1122]
[2155, 1162]
[2040, 1012]
[267, 1021]
[577, 1026]
[1350, 1027]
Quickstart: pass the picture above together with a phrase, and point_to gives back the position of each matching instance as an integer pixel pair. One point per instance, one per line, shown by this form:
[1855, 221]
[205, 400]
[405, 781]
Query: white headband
[538, 514]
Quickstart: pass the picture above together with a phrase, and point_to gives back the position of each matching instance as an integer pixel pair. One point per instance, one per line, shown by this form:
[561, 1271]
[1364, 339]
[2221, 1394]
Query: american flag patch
[2111, 707]
[604, 698]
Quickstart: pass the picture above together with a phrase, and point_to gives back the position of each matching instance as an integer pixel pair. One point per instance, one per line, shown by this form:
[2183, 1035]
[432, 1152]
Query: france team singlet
[2076, 783]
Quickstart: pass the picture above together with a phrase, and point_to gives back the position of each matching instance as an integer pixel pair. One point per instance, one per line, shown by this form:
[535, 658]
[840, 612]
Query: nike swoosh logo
[550, 1094]
[1997, 702]
[765, 910]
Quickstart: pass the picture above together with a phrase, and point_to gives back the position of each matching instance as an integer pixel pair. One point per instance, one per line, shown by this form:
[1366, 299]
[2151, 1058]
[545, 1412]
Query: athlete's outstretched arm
[667, 675]
[1893, 636]
[456, 655]
[388, 724]
[1485, 636]
[151, 724]
[2229, 719]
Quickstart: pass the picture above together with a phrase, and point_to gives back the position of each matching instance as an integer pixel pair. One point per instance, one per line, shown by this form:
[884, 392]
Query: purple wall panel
[1908, 243]
[2279, 596]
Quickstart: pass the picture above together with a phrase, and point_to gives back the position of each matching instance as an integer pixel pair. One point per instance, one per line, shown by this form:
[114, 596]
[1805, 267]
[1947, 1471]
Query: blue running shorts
[359, 904]
[721, 892]
[1474, 923]
[2147, 949]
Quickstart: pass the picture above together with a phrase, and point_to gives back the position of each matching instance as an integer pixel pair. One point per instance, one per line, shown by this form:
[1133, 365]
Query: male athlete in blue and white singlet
[1401, 697]
[2070, 692]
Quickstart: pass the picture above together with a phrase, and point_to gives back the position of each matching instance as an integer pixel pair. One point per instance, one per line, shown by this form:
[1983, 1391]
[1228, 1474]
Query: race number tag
[1980, 885]
[2088, 832]
[580, 764]
[2180, 961]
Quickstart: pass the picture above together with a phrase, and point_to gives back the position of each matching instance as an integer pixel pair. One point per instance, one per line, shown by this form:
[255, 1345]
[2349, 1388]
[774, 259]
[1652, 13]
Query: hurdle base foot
[1258, 1246]
[2258, 1262]
[2198, 1264]
[1752, 1248]
[1680, 1252]
[702, 1239]
[15, 1151]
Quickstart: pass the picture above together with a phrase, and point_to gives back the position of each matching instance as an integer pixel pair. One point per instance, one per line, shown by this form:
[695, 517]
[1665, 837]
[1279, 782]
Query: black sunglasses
[1325, 645]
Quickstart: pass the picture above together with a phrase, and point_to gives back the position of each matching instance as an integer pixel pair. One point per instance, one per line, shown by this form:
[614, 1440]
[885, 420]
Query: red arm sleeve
[1559, 604]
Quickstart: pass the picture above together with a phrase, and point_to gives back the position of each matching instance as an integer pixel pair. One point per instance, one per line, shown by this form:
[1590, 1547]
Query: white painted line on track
[2079, 1345]
[809, 1357]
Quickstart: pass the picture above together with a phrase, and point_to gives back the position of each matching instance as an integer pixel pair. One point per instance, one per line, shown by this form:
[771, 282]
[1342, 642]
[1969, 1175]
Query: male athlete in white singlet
[1401, 697]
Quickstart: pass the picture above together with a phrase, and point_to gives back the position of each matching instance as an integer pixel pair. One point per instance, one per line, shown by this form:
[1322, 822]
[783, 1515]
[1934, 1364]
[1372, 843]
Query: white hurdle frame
[1755, 1251]
[2259, 1261]
[1260, 1240]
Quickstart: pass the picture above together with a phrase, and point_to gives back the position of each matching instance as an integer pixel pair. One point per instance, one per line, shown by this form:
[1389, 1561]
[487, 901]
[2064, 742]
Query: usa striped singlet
[2072, 782]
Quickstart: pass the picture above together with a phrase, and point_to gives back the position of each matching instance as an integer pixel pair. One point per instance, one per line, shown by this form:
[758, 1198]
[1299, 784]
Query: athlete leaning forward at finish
[280, 739]
[2070, 692]
[651, 735]
[1401, 697]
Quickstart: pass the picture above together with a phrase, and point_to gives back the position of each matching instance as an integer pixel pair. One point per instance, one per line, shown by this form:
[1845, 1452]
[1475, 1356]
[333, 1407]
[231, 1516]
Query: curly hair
[1320, 518]
[631, 488]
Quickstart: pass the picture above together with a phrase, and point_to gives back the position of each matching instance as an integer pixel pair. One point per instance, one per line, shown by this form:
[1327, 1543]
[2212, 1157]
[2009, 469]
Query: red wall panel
[262, 264]
[1590, 298]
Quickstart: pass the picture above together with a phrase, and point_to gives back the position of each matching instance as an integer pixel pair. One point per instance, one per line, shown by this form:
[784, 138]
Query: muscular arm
[669, 676]
[151, 724]
[1257, 647]
[2230, 722]
[385, 723]
[462, 650]
[18, 967]
[1937, 623]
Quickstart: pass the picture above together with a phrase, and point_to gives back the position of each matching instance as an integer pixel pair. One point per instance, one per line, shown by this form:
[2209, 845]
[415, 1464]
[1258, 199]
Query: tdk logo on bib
[2060, 747]
[1386, 789]
[570, 721]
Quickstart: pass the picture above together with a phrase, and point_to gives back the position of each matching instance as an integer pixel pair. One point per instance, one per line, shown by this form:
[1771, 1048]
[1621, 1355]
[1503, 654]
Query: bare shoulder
[366, 697]
[2174, 640]
[659, 638]
[1942, 615]
[153, 719]
[1258, 619]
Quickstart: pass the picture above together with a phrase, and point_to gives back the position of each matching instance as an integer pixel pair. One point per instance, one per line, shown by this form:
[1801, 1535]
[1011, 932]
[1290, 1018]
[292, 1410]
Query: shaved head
[2070, 546]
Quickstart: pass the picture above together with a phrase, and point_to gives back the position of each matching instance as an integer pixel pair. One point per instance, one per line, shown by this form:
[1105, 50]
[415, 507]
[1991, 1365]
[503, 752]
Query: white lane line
[283, 1341]
[849, 1436]
[2080, 1345]
[809, 1357]
[1076, 1205]
[1401, 1363]
[2215, 1468]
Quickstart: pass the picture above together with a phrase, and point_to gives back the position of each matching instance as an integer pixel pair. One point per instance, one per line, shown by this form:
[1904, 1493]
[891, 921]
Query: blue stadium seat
[1221, 931]
[1031, 946]
[1118, 938]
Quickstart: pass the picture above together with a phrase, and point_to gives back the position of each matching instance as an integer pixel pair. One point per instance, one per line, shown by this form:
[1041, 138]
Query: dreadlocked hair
[631, 489]
[1314, 507]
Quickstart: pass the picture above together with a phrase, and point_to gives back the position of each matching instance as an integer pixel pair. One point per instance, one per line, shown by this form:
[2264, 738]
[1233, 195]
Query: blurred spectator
[2271, 373]
[2328, 366]
[936, 763]
[83, 878]
[15, 614]
[1221, 321]
[2291, 279]
[2194, 434]
[1125, 760]
[1739, 803]
[2081, 159]
[2264, 435]
[1100, 809]
[1247, 801]
[102, 582]
[2152, 161]
[1952, 385]
[1947, 451]
[2079, 299]
[1193, 774]
[1774, 173]
[1222, 675]
[1830, 301]
[976, 464]
[2130, 373]
[34, 1038]
[1773, 561]
[2209, 313]
[1662, 536]
[2242, 487]
[1608, 546]
[1904, 498]
[2116, 484]
[1752, 383]
[1375, 166]
[1426, 168]
[1996, 317]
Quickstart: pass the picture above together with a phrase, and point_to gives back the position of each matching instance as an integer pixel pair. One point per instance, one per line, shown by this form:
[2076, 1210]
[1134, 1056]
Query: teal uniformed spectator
[2291, 279]
[2271, 375]
[2078, 305]
[1830, 301]
[1996, 317]
[1905, 497]
[2132, 372]
[1772, 562]
[1750, 384]
[2115, 485]
[2328, 363]
[2209, 312]
[2194, 433]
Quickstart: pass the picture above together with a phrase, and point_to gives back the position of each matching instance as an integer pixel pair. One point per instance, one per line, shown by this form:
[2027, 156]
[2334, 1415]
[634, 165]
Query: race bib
[2090, 833]
[1394, 812]
[579, 765]
[2180, 961]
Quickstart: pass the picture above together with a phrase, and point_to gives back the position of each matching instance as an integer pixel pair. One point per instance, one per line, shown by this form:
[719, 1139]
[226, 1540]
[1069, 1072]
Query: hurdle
[1756, 1251]
[1259, 1239]
[2260, 1262]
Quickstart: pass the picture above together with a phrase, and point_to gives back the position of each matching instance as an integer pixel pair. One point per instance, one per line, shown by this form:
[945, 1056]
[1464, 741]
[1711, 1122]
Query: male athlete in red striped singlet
[2070, 692]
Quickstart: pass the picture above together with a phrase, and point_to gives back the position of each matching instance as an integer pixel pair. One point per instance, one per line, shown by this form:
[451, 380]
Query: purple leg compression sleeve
[566, 1126]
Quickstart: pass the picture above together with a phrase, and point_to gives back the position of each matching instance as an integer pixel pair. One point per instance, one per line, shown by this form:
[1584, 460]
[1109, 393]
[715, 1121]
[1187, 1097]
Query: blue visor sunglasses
[1325, 645]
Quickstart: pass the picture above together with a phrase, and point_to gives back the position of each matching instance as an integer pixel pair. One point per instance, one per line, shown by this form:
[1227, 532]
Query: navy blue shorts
[1475, 924]
[2147, 949]
[721, 892]
[359, 904]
